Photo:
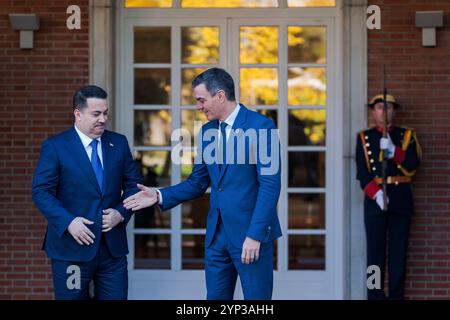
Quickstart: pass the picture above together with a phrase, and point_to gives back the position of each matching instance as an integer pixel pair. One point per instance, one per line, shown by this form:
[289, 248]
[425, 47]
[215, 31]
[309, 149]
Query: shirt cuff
[399, 155]
[160, 198]
[371, 189]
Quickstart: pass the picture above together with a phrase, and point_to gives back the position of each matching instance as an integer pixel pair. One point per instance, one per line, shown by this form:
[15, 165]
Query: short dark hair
[216, 79]
[90, 91]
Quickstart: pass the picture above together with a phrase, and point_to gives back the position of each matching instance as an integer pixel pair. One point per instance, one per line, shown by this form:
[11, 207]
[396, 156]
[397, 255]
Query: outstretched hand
[143, 199]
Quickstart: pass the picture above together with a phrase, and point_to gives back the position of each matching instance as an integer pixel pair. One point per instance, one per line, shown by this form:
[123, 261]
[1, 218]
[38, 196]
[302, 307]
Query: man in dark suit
[242, 221]
[78, 185]
[391, 223]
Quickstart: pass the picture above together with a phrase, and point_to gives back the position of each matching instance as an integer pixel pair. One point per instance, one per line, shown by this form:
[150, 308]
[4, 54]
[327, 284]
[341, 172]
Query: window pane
[193, 252]
[258, 45]
[152, 127]
[259, 86]
[228, 3]
[187, 75]
[146, 39]
[311, 3]
[306, 252]
[307, 127]
[306, 169]
[188, 119]
[155, 167]
[306, 211]
[148, 3]
[306, 44]
[152, 86]
[200, 45]
[307, 86]
[272, 114]
[194, 212]
[151, 251]
[188, 158]
[151, 166]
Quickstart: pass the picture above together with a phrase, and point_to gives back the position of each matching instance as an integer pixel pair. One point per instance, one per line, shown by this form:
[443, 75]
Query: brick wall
[36, 87]
[419, 78]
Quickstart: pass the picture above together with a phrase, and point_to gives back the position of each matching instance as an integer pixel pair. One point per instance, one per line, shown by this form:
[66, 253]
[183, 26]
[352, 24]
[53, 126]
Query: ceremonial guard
[387, 157]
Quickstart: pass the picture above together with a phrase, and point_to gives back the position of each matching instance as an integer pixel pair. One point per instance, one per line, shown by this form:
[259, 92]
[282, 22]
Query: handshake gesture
[147, 197]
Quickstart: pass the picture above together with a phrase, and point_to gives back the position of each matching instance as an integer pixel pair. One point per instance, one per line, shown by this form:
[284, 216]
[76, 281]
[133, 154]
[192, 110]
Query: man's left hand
[111, 218]
[250, 251]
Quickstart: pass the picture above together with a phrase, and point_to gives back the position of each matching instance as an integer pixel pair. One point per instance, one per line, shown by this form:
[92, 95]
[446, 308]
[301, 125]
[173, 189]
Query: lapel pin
[111, 145]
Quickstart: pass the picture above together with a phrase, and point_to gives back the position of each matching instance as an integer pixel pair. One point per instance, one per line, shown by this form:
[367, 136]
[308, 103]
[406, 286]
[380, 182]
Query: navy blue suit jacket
[247, 200]
[65, 187]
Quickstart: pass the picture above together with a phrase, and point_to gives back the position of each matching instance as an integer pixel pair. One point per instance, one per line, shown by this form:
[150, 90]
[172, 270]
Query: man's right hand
[379, 199]
[143, 199]
[80, 232]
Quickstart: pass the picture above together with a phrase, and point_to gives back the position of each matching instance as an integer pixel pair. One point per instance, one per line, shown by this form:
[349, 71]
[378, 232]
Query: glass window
[311, 3]
[307, 127]
[152, 127]
[306, 211]
[228, 3]
[151, 251]
[152, 86]
[200, 45]
[155, 167]
[258, 45]
[306, 169]
[307, 86]
[259, 86]
[306, 252]
[148, 3]
[306, 44]
[193, 256]
[146, 39]
[187, 75]
[195, 212]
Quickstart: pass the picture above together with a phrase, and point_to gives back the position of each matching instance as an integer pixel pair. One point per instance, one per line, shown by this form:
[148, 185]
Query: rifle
[385, 135]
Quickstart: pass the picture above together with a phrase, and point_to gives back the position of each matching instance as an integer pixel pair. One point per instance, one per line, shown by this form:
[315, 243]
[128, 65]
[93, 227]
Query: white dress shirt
[86, 141]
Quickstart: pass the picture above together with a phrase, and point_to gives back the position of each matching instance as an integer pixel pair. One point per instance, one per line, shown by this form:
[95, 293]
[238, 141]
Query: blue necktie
[223, 144]
[96, 164]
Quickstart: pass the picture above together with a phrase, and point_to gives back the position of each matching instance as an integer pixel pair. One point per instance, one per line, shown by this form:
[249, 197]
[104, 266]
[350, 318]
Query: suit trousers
[223, 265]
[109, 274]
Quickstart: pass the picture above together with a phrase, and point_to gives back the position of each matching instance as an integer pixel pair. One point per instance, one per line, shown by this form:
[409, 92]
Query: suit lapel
[76, 149]
[238, 128]
[107, 150]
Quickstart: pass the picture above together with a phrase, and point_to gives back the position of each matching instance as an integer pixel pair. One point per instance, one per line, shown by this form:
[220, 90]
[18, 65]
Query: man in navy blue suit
[78, 185]
[242, 221]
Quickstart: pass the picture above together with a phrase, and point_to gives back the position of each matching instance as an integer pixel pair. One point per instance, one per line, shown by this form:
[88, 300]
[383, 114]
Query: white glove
[379, 199]
[387, 144]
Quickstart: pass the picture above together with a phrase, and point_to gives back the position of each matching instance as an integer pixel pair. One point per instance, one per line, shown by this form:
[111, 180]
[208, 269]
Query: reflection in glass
[307, 86]
[200, 45]
[148, 3]
[194, 212]
[311, 3]
[307, 127]
[306, 211]
[146, 39]
[193, 251]
[306, 169]
[258, 45]
[152, 86]
[192, 120]
[151, 251]
[154, 167]
[259, 86]
[187, 164]
[272, 114]
[306, 44]
[187, 75]
[152, 127]
[306, 252]
[228, 3]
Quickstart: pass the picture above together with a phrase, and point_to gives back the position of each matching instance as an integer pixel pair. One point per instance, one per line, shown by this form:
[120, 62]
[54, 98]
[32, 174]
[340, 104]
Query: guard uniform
[387, 229]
